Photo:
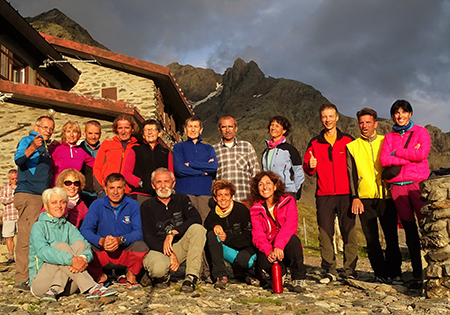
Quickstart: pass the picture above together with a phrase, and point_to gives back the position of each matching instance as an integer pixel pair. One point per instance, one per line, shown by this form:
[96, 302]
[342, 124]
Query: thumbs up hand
[312, 161]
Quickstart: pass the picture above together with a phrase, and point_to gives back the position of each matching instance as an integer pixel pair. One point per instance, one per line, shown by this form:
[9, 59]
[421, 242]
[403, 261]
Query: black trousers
[293, 258]
[387, 264]
[328, 208]
[217, 262]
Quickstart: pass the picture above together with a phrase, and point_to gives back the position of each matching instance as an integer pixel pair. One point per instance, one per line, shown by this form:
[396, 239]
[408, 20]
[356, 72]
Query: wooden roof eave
[71, 102]
[23, 33]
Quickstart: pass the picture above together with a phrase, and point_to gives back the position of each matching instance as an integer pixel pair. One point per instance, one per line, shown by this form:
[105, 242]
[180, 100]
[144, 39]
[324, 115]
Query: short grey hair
[58, 191]
[162, 169]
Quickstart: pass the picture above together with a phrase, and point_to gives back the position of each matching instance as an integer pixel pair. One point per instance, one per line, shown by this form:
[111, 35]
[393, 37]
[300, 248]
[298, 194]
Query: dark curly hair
[283, 121]
[254, 182]
[222, 184]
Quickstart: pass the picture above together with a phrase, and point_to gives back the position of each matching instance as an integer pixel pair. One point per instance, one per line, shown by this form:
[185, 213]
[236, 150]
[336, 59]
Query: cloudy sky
[357, 53]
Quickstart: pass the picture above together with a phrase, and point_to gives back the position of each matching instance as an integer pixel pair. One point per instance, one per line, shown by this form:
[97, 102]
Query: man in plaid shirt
[237, 159]
[10, 214]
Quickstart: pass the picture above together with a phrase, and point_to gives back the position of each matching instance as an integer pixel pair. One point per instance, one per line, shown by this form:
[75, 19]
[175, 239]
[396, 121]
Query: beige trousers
[29, 207]
[189, 248]
[57, 276]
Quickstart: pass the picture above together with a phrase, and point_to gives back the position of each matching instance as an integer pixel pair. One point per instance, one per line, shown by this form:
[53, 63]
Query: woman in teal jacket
[59, 253]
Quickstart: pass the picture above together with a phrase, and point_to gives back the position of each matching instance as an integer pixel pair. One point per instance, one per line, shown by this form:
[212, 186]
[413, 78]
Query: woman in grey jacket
[283, 158]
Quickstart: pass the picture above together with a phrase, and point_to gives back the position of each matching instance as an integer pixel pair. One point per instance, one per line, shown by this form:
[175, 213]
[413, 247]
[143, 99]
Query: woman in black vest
[143, 159]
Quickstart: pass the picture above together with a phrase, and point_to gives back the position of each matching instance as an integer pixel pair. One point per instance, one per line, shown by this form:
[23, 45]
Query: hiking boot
[398, 281]
[221, 283]
[163, 282]
[23, 285]
[329, 277]
[298, 285]
[10, 261]
[379, 280]
[146, 281]
[50, 295]
[415, 284]
[188, 285]
[252, 281]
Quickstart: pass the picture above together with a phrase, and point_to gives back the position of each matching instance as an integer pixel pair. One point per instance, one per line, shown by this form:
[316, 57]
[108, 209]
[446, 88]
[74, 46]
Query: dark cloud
[357, 53]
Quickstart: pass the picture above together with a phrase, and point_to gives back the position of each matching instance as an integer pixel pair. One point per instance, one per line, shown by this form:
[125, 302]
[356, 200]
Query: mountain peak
[56, 23]
[243, 76]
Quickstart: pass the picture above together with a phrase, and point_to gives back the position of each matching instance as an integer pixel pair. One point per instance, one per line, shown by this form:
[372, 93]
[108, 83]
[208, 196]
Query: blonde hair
[70, 171]
[74, 125]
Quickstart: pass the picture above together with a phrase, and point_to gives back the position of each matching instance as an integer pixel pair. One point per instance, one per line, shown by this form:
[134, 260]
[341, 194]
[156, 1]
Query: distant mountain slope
[56, 23]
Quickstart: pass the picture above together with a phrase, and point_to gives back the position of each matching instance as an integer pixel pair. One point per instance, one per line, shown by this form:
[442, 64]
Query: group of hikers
[133, 211]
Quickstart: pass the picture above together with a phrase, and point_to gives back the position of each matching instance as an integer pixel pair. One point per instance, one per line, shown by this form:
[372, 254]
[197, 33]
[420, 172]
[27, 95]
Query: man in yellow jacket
[372, 201]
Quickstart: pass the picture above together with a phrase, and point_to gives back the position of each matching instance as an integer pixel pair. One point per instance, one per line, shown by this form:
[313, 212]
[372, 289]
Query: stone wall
[435, 230]
[141, 92]
[12, 114]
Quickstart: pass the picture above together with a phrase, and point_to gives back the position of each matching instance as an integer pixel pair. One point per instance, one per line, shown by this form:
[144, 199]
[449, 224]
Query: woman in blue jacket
[283, 158]
[59, 253]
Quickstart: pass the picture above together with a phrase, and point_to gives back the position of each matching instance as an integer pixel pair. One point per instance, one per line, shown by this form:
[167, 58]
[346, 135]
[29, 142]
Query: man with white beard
[173, 231]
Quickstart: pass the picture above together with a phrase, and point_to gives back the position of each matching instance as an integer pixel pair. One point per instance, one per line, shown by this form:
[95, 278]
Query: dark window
[110, 93]
[6, 60]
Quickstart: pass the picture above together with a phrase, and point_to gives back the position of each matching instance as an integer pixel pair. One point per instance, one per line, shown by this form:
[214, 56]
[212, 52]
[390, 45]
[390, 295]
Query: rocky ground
[355, 298]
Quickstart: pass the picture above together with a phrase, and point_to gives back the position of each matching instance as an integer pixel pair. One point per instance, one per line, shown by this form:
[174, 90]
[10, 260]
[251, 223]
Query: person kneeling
[229, 235]
[173, 230]
[274, 219]
[59, 255]
[113, 227]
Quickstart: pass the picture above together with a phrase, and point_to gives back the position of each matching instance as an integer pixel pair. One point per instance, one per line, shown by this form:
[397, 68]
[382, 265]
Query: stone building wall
[141, 92]
[435, 230]
[12, 114]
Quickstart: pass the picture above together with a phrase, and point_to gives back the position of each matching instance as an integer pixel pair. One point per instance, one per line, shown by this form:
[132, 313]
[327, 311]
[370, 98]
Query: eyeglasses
[47, 128]
[76, 183]
[150, 130]
[223, 127]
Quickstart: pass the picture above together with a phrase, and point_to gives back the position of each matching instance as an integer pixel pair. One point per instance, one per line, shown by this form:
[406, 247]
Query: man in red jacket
[326, 157]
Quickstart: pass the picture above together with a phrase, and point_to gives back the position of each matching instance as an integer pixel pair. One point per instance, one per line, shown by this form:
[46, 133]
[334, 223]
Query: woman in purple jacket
[407, 145]
[274, 219]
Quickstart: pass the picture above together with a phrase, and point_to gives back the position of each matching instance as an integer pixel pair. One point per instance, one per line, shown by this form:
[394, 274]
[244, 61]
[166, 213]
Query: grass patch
[34, 305]
[307, 224]
[302, 311]
[261, 300]
[199, 288]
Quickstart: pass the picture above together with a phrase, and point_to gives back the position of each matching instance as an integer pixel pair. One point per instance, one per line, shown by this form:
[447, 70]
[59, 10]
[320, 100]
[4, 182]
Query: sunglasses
[76, 183]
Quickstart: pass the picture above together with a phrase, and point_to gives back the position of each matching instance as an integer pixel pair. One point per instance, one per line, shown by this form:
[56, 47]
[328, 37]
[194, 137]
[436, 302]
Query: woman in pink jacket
[274, 219]
[68, 154]
[407, 146]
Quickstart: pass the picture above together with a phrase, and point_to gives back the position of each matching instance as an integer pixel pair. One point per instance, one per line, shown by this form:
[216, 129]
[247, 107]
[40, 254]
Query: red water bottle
[277, 283]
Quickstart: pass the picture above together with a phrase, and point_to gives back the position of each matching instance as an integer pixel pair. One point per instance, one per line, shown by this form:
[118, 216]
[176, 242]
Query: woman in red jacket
[112, 154]
[274, 219]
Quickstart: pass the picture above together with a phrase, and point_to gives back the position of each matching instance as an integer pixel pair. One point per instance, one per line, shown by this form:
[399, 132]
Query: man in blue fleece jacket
[113, 227]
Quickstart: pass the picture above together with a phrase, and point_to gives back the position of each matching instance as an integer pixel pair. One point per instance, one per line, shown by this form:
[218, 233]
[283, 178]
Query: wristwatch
[122, 240]
[170, 233]
[140, 184]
